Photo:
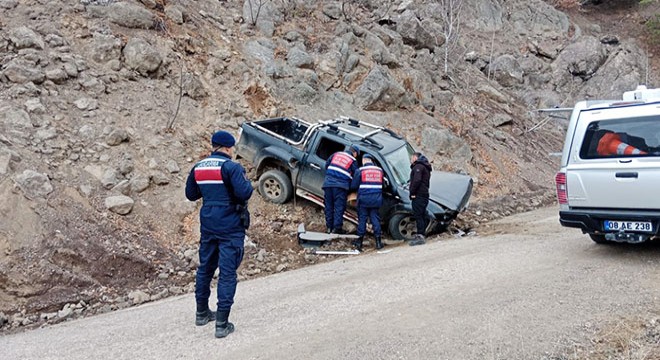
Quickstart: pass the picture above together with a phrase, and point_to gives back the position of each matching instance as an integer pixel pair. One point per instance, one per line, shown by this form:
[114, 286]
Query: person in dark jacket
[420, 176]
[339, 170]
[225, 190]
[368, 181]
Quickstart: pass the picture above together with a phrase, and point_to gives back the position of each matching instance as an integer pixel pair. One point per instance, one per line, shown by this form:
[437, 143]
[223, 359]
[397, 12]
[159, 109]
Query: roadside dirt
[546, 293]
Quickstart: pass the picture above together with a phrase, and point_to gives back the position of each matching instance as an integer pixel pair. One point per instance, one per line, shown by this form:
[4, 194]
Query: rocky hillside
[105, 105]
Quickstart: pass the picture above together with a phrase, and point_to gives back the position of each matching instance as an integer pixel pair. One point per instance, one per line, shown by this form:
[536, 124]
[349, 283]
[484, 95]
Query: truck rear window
[629, 137]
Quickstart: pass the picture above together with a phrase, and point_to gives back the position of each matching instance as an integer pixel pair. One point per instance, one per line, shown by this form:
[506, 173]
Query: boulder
[92, 84]
[525, 17]
[506, 71]
[264, 54]
[86, 104]
[332, 9]
[119, 204]
[24, 37]
[586, 57]
[581, 58]
[34, 184]
[125, 14]
[44, 134]
[55, 40]
[15, 118]
[544, 48]
[194, 87]
[414, 33]
[379, 92]
[174, 13]
[141, 56]
[34, 106]
[299, 58]
[57, 75]
[20, 72]
[172, 166]
[447, 145]
[116, 137]
[105, 48]
[303, 93]
[139, 183]
[159, 178]
[379, 53]
[624, 69]
[8, 4]
[110, 178]
[138, 297]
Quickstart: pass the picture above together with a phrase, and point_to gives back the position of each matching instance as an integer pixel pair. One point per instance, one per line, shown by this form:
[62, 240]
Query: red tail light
[562, 190]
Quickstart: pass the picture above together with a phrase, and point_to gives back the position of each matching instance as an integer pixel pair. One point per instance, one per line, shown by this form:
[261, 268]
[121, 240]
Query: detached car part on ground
[610, 168]
[289, 156]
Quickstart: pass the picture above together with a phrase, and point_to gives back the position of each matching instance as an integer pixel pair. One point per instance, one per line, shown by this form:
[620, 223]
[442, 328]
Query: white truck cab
[609, 181]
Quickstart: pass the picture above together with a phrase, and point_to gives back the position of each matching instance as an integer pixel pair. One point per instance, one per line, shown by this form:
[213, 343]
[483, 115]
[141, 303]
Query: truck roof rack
[378, 128]
[333, 125]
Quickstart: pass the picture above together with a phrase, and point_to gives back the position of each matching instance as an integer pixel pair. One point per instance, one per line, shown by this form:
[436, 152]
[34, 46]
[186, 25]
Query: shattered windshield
[399, 162]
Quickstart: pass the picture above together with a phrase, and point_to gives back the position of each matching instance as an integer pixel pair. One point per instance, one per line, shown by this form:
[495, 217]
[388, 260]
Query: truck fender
[274, 154]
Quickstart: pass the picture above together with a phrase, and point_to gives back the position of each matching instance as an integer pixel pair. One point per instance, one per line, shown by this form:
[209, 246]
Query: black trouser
[419, 212]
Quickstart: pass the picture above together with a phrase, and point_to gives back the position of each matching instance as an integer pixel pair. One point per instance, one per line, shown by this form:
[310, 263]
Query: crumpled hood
[450, 190]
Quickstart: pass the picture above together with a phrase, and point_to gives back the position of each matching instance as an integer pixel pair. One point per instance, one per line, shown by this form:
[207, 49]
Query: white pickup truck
[609, 181]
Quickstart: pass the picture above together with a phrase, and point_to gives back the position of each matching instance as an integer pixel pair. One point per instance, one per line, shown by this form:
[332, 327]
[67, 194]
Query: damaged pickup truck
[289, 157]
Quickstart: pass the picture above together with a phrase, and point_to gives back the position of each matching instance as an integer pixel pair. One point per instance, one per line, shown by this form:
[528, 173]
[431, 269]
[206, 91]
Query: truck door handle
[627, 175]
[312, 165]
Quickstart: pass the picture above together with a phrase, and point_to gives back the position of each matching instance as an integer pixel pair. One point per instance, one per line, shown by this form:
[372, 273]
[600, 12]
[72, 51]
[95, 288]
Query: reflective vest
[208, 176]
[339, 171]
[371, 179]
[611, 144]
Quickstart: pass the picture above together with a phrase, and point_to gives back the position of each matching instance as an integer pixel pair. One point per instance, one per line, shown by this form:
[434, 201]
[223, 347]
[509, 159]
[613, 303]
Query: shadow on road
[649, 250]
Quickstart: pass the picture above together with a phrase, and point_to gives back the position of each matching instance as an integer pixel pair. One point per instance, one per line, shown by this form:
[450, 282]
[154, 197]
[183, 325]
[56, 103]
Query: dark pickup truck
[289, 156]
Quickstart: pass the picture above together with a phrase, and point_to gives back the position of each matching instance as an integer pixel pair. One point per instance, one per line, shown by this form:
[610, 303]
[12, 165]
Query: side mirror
[387, 184]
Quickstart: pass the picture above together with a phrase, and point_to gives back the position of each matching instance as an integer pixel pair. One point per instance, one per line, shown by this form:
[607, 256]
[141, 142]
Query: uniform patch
[209, 175]
[342, 160]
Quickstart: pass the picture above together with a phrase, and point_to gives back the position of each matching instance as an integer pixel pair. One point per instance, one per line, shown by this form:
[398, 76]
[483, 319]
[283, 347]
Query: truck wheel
[402, 227]
[275, 186]
[599, 239]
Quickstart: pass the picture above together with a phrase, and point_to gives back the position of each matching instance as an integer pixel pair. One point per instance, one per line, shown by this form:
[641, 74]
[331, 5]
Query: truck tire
[402, 226]
[599, 239]
[275, 186]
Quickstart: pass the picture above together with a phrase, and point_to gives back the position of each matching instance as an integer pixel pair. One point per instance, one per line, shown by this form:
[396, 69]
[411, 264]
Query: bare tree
[450, 21]
[255, 4]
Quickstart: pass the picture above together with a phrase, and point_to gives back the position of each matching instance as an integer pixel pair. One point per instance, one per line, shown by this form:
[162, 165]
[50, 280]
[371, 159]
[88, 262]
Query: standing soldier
[223, 220]
[339, 170]
[369, 182]
[420, 176]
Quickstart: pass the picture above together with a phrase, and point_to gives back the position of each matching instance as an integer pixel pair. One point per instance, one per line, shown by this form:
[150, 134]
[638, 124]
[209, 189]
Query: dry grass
[625, 339]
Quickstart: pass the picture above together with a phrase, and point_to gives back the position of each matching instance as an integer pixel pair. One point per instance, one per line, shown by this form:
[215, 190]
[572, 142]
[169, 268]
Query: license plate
[643, 226]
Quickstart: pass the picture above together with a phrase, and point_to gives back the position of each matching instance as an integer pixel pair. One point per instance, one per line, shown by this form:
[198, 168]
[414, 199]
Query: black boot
[358, 243]
[222, 325]
[203, 315]
[379, 243]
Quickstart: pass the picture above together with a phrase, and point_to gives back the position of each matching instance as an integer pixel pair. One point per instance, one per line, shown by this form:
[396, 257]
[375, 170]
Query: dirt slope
[106, 105]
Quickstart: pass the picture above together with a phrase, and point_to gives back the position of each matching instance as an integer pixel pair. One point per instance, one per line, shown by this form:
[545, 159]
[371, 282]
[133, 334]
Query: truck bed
[291, 130]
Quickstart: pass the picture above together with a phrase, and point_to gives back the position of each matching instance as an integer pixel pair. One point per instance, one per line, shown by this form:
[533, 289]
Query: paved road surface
[518, 295]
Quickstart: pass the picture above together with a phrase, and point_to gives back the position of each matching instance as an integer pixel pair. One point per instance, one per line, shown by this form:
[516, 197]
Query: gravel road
[520, 293]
